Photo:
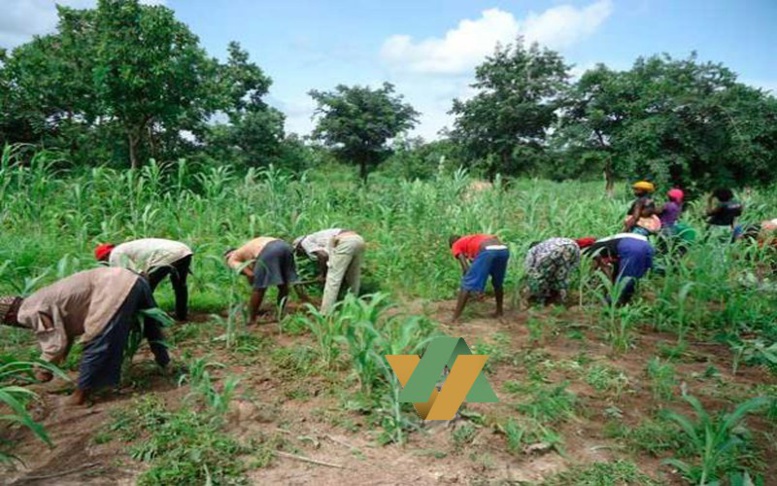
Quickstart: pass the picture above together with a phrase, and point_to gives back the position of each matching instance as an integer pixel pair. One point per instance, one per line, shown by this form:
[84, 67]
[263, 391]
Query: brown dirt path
[315, 424]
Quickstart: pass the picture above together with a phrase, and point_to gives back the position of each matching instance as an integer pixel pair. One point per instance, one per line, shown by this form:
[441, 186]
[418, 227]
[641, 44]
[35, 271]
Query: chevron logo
[419, 376]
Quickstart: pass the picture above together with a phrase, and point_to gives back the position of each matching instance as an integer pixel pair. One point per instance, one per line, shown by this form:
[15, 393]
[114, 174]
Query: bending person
[157, 258]
[339, 254]
[480, 256]
[625, 258]
[101, 306]
[548, 266]
[722, 213]
[265, 262]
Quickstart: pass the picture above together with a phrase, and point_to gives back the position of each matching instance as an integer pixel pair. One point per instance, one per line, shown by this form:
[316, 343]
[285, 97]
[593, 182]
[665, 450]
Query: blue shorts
[487, 262]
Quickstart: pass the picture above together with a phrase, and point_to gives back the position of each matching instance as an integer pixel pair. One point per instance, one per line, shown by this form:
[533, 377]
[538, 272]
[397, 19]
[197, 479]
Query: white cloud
[563, 26]
[465, 46]
[20, 20]
[431, 72]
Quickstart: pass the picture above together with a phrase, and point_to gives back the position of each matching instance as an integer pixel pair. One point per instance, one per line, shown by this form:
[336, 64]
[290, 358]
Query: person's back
[248, 252]
[146, 254]
[646, 204]
[83, 302]
[470, 245]
[670, 214]
[728, 212]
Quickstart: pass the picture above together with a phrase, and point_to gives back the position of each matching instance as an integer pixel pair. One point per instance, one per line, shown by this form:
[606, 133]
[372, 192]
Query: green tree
[518, 94]
[358, 122]
[47, 94]
[127, 81]
[149, 71]
[254, 135]
[677, 122]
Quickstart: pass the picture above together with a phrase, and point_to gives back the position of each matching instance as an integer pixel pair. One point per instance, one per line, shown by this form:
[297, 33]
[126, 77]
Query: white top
[147, 254]
[318, 241]
[635, 236]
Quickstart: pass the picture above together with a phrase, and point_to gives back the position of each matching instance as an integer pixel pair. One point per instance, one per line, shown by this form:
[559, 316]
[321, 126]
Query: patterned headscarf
[9, 306]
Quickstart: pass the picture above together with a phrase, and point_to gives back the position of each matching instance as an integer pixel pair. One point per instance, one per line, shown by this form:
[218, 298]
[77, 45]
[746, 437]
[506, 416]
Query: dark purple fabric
[670, 214]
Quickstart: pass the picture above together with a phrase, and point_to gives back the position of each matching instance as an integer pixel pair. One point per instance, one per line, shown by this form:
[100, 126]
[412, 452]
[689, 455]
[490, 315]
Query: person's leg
[461, 303]
[497, 271]
[254, 303]
[337, 265]
[543, 277]
[103, 356]
[570, 259]
[288, 271]
[156, 276]
[354, 273]
[283, 297]
[473, 281]
[267, 272]
[152, 329]
[178, 277]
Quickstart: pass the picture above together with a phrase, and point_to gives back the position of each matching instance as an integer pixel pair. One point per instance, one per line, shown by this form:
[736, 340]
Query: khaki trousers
[346, 254]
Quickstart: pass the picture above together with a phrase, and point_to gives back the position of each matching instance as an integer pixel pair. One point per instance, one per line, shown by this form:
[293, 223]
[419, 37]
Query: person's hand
[44, 376]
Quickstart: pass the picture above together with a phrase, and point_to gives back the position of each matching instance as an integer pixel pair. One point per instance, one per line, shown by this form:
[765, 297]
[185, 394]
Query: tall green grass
[51, 219]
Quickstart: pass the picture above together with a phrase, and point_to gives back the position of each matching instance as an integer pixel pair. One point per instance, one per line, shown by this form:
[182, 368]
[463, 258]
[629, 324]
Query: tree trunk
[609, 179]
[363, 170]
[133, 148]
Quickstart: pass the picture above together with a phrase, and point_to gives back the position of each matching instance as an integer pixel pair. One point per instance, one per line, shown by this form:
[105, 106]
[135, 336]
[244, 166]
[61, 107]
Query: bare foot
[78, 397]
[43, 376]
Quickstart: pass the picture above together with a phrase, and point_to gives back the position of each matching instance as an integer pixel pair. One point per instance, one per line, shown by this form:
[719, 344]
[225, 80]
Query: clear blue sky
[428, 48]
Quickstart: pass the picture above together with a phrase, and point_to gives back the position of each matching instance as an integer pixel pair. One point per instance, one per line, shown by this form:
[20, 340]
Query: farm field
[589, 394]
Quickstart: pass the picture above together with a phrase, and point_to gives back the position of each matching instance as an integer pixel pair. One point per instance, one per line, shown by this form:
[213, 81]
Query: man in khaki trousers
[339, 254]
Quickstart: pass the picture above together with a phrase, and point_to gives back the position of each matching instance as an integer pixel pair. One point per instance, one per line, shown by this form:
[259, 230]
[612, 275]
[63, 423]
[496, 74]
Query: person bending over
[480, 256]
[157, 258]
[265, 262]
[625, 258]
[548, 266]
[101, 306]
[339, 254]
[722, 213]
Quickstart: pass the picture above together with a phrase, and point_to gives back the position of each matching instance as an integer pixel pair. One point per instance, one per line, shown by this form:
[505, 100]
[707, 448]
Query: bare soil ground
[308, 414]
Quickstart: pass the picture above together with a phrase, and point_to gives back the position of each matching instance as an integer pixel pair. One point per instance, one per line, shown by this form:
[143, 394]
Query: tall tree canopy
[518, 94]
[358, 122]
[675, 121]
[129, 81]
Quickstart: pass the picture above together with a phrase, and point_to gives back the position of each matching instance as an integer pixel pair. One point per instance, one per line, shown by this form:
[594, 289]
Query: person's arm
[302, 294]
[463, 262]
[53, 341]
[238, 264]
[322, 259]
[636, 213]
[152, 331]
[712, 208]
[601, 265]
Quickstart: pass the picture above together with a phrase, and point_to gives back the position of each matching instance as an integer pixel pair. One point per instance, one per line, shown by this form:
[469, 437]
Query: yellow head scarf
[644, 185]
